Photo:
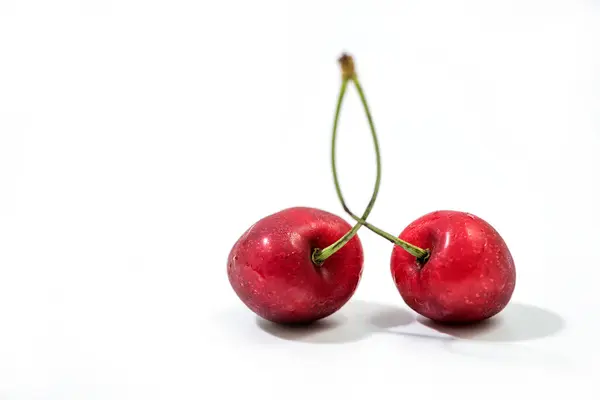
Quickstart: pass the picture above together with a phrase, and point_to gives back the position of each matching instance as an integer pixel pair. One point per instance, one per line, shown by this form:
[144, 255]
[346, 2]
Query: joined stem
[422, 255]
[349, 74]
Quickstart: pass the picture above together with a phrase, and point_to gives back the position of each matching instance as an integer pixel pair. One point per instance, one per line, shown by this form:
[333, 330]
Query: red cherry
[469, 275]
[271, 270]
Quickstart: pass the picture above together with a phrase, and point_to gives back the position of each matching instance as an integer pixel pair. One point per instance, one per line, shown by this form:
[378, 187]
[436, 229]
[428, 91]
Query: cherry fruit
[468, 276]
[271, 267]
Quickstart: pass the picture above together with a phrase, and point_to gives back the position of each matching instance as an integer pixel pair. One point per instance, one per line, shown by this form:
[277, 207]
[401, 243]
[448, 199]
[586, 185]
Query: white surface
[139, 139]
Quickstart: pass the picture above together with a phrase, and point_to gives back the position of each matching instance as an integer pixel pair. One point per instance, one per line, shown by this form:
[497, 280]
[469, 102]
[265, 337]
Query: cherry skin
[469, 275]
[270, 267]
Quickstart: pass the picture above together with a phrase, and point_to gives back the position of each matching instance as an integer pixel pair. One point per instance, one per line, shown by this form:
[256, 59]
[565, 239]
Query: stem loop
[319, 256]
[349, 74]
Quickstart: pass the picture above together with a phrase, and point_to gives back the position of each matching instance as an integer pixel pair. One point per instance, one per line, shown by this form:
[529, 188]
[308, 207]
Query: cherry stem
[422, 255]
[348, 74]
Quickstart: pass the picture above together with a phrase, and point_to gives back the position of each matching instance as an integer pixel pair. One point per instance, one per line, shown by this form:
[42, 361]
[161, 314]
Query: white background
[139, 139]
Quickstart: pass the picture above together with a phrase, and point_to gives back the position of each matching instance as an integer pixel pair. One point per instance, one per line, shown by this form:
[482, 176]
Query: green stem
[320, 255]
[422, 255]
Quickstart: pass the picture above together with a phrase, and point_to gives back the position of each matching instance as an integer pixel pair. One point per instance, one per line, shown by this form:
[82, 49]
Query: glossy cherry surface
[470, 274]
[270, 267]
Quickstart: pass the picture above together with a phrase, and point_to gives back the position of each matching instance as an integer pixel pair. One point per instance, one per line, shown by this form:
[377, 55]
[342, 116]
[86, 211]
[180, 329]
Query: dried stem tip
[347, 65]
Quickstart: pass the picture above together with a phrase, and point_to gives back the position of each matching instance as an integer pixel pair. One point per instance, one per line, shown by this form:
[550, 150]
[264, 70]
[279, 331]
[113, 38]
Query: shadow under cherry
[517, 322]
[355, 321]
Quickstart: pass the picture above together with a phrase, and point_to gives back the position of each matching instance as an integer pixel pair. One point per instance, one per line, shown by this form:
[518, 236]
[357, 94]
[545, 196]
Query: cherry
[465, 274]
[449, 266]
[302, 264]
[272, 271]
[469, 275]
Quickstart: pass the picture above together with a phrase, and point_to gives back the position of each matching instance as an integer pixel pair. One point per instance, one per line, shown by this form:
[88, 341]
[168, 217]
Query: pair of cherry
[303, 264]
